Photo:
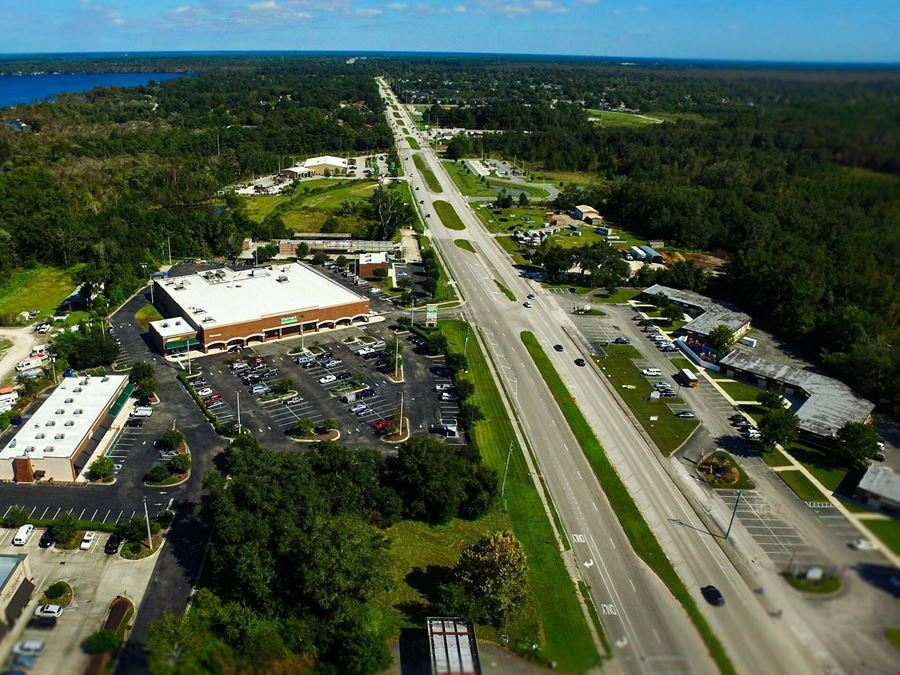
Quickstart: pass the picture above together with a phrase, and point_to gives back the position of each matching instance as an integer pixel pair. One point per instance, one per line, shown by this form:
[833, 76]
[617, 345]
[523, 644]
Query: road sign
[431, 312]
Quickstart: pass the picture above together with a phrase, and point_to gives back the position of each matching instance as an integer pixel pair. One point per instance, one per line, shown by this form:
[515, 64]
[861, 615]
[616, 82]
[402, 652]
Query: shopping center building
[221, 308]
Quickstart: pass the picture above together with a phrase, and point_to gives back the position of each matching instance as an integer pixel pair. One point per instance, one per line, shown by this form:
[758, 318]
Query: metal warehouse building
[57, 441]
[220, 308]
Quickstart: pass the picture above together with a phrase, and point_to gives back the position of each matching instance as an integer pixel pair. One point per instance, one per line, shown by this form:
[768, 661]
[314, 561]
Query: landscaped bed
[828, 584]
[721, 471]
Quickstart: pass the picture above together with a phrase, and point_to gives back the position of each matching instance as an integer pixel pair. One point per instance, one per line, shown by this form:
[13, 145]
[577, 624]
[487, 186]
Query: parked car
[134, 422]
[167, 455]
[685, 414]
[713, 595]
[212, 398]
[49, 610]
[87, 540]
[46, 539]
[367, 393]
[293, 400]
[527, 303]
[29, 648]
[112, 544]
[206, 391]
[382, 425]
[259, 389]
[622, 341]
[443, 387]
[234, 348]
[333, 363]
[328, 379]
[309, 364]
[358, 408]
[449, 396]
[216, 404]
[42, 623]
[862, 544]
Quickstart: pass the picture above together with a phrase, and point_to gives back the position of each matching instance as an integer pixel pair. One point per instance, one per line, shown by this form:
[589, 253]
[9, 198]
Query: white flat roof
[326, 159]
[69, 412]
[373, 258]
[222, 297]
[172, 327]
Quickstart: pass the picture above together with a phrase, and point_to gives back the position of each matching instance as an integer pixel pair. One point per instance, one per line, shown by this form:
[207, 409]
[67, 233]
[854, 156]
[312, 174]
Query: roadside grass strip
[430, 178]
[802, 486]
[464, 244]
[448, 215]
[566, 636]
[636, 529]
[503, 289]
[413, 143]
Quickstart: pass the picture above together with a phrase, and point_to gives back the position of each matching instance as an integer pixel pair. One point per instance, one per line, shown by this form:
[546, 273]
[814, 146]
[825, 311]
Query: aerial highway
[649, 630]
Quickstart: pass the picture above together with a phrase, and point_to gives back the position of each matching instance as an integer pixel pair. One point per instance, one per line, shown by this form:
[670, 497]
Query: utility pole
[733, 514]
[397, 358]
[239, 411]
[169, 245]
[147, 519]
[506, 469]
[401, 414]
[302, 346]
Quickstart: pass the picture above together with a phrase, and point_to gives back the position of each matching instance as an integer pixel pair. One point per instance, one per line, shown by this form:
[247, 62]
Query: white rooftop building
[53, 440]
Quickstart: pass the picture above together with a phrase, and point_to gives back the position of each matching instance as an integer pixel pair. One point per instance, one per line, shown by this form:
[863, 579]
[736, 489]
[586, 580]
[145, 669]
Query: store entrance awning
[181, 344]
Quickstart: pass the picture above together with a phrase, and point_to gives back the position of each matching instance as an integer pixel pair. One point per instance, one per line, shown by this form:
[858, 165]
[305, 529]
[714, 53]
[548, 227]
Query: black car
[112, 544]
[309, 364]
[343, 376]
[134, 422]
[440, 371]
[573, 290]
[46, 539]
[580, 362]
[713, 595]
[558, 348]
[622, 341]
[43, 623]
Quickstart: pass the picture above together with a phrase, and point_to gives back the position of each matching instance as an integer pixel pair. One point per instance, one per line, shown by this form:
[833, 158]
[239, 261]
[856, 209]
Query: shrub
[330, 424]
[102, 642]
[172, 439]
[57, 590]
[158, 473]
[164, 518]
[181, 463]
[65, 527]
[15, 517]
[101, 468]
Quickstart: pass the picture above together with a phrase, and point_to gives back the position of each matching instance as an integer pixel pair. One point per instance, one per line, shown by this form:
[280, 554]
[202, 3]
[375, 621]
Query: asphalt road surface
[647, 627]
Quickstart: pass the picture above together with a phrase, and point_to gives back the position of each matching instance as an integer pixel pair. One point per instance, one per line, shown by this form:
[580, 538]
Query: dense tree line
[298, 554]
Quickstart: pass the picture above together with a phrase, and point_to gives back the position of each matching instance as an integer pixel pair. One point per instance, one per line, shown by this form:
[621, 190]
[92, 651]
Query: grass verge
[775, 458]
[562, 630]
[413, 143]
[428, 174]
[802, 486]
[146, 314]
[888, 531]
[740, 391]
[448, 215]
[39, 288]
[636, 529]
[667, 431]
[827, 468]
[893, 636]
[464, 244]
[503, 289]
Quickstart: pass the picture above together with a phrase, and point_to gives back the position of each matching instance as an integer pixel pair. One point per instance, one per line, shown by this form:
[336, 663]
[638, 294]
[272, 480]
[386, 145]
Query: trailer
[688, 378]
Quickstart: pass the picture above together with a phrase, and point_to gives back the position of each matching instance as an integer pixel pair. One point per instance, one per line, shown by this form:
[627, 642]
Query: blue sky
[805, 30]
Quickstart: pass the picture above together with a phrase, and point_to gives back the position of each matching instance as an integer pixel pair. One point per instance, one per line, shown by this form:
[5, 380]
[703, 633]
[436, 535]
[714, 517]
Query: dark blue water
[16, 89]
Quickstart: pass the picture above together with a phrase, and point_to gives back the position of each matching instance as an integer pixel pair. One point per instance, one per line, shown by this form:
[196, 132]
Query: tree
[721, 338]
[157, 473]
[857, 444]
[102, 642]
[319, 258]
[436, 344]
[143, 377]
[389, 212]
[770, 398]
[523, 200]
[172, 439]
[342, 261]
[65, 527]
[101, 468]
[15, 518]
[135, 529]
[778, 427]
[404, 321]
[330, 424]
[429, 479]
[181, 463]
[266, 252]
[492, 574]
[456, 362]
[304, 427]
[357, 648]
[672, 312]
[464, 388]
[379, 273]
[302, 250]
[470, 414]
[332, 224]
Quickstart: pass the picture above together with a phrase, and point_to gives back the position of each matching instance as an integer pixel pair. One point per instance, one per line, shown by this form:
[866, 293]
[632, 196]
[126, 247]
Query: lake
[16, 89]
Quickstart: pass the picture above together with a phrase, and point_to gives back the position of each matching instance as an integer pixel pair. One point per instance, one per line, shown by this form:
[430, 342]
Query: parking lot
[319, 383]
[96, 579]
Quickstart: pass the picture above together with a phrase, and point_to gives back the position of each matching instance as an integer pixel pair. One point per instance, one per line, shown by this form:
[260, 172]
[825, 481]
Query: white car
[29, 648]
[358, 408]
[443, 387]
[328, 379]
[206, 391]
[54, 611]
[87, 540]
[449, 396]
[862, 545]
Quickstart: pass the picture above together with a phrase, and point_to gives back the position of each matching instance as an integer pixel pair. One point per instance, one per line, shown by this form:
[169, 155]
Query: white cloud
[549, 6]
[396, 6]
[266, 6]
[369, 11]
[460, 9]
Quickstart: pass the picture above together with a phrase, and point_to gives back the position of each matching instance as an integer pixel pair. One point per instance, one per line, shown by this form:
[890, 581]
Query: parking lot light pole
[147, 519]
[733, 514]
[302, 346]
[239, 411]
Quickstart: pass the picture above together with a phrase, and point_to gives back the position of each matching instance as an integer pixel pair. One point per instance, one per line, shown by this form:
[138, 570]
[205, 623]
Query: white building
[56, 441]
[325, 164]
[583, 212]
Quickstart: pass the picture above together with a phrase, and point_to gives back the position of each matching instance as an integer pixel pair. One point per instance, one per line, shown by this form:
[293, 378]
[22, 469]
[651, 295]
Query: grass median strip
[428, 174]
[503, 289]
[464, 244]
[636, 529]
[448, 215]
[413, 143]
[562, 627]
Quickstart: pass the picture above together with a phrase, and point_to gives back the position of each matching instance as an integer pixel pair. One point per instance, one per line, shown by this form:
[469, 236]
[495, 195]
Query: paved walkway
[856, 518]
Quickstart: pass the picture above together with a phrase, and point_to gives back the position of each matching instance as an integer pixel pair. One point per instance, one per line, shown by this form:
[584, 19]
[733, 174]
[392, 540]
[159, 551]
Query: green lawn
[827, 469]
[620, 296]
[146, 314]
[608, 118]
[560, 627]
[448, 215]
[639, 534]
[668, 432]
[741, 391]
[775, 458]
[464, 244]
[826, 585]
[428, 174]
[802, 486]
[888, 531]
[503, 289]
[36, 288]
[257, 207]
[681, 363]
[467, 182]
[893, 636]
[513, 249]
[413, 143]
